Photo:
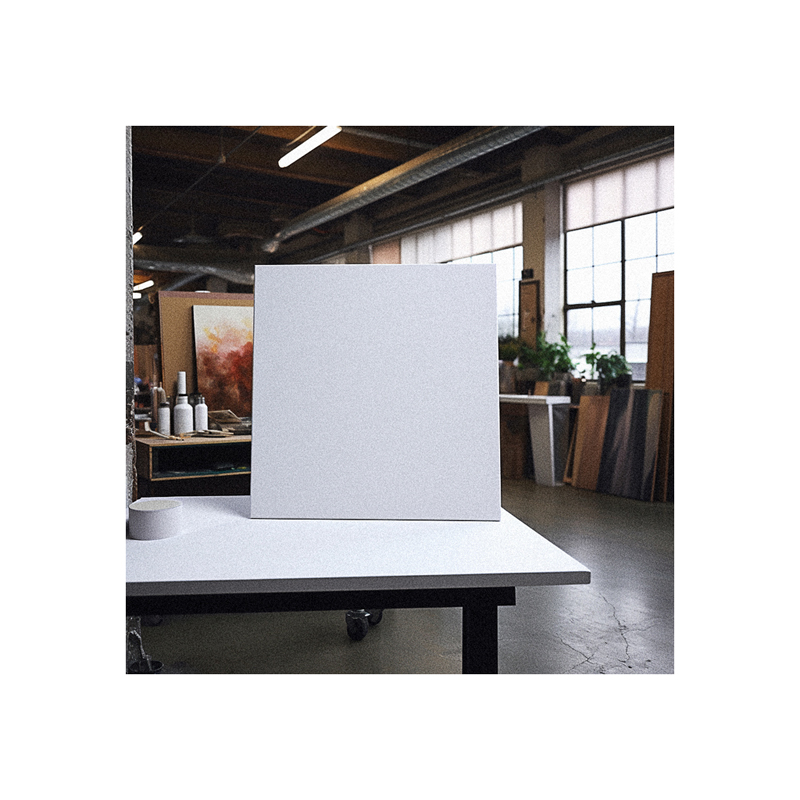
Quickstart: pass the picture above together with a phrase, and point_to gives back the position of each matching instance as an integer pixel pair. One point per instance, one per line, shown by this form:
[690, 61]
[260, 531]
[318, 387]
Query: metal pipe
[385, 137]
[449, 156]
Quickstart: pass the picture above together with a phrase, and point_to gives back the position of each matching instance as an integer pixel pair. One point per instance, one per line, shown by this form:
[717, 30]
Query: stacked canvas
[615, 444]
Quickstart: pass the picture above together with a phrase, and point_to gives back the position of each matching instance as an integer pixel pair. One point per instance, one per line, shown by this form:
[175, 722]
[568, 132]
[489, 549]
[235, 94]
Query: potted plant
[508, 348]
[548, 361]
[612, 369]
[508, 352]
[552, 359]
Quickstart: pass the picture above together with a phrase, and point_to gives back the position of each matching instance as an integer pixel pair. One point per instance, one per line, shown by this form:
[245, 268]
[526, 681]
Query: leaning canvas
[223, 337]
[375, 392]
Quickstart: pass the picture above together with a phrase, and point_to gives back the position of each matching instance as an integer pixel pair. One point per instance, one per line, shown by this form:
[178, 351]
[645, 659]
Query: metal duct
[453, 154]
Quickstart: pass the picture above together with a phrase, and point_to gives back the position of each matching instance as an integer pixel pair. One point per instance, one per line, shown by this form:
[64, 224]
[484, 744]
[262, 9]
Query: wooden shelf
[159, 462]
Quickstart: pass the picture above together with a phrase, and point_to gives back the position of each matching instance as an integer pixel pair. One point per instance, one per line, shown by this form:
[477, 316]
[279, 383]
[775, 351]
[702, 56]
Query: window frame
[622, 302]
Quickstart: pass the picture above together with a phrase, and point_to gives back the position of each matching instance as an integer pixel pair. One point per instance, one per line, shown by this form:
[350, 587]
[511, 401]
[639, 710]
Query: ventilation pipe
[449, 156]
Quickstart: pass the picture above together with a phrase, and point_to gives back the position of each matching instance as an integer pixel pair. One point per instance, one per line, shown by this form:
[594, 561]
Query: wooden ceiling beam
[352, 142]
[258, 157]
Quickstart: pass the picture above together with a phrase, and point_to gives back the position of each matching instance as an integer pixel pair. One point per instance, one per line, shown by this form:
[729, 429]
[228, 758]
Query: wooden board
[570, 456]
[551, 388]
[627, 464]
[529, 317]
[515, 441]
[589, 434]
[177, 332]
[661, 373]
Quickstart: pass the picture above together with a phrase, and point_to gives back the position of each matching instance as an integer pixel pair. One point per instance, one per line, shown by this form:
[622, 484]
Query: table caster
[359, 622]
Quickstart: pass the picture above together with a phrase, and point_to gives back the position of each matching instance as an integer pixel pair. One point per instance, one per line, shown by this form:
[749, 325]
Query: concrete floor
[620, 623]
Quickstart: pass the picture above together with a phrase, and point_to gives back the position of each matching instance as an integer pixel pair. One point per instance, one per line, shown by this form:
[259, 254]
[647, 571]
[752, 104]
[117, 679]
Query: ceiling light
[144, 285]
[137, 295]
[309, 144]
[136, 236]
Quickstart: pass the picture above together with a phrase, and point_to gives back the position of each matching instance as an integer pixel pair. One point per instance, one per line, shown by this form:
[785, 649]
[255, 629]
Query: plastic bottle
[182, 415]
[157, 397]
[164, 419]
[201, 415]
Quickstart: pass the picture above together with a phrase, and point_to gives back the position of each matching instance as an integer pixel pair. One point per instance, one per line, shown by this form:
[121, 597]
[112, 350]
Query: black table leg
[479, 639]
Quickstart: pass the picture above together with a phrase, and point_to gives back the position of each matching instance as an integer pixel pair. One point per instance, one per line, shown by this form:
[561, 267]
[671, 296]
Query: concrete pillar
[541, 237]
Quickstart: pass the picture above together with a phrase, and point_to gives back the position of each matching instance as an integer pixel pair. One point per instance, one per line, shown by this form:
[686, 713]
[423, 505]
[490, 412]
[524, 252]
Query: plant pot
[526, 379]
[624, 381]
[508, 377]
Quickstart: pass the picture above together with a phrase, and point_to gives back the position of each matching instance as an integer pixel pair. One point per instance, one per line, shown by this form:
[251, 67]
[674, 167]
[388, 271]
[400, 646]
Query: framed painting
[223, 340]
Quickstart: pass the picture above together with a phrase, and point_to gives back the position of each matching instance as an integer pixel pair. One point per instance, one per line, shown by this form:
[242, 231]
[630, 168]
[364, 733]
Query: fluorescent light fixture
[308, 145]
[144, 285]
[137, 295]
[136, 236]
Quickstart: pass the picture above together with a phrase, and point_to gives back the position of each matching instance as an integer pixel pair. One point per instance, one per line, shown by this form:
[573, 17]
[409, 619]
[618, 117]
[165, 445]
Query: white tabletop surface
[535, 399]
[223, 550]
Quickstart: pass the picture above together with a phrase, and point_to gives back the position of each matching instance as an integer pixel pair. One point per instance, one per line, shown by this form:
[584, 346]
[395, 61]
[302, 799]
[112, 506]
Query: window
[491, 237]
[609, 272]
[619, 231]
[509, 271]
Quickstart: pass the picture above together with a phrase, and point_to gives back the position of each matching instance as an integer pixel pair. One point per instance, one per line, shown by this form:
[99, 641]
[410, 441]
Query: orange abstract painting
[223, 339]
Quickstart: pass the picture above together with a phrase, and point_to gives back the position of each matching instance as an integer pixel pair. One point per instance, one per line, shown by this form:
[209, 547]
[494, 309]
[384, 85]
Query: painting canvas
[630, 446]
[402, 419]
[223, 337]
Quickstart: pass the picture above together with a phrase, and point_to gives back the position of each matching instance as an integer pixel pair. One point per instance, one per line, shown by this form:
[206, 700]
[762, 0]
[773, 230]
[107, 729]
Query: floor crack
[622, 628]
[586, 659]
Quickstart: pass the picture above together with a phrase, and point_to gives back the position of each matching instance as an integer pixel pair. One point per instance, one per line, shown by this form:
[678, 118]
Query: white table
[548, 418]
[227, 562]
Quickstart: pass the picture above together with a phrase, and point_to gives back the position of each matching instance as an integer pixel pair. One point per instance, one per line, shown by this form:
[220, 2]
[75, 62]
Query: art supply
[181, 383]
[155, 518]
[183, 419]
[157, 397]
[201, 415]
[164, 417]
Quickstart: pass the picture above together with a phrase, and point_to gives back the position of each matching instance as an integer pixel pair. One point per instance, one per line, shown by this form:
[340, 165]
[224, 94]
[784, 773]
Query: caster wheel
[375, 615]
[357, 627]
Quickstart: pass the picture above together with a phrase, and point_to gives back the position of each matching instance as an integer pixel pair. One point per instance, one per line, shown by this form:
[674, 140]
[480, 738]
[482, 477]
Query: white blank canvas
[375, 392]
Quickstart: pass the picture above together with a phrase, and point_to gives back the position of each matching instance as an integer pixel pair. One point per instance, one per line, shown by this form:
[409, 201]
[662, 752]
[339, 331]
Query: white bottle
[182, 415]
[164, 419]
[201, 415]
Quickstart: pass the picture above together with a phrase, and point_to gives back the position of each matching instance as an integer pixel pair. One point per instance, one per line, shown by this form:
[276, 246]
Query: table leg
[479, 639]
[549, 441]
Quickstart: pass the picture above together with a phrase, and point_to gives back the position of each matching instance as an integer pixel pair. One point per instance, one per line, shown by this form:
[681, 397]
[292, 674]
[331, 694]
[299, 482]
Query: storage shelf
[161, 460]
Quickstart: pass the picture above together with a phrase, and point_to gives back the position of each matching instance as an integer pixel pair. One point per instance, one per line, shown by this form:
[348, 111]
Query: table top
[535, 399]
[222, 550]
